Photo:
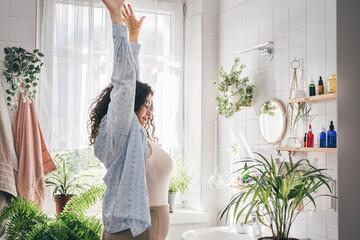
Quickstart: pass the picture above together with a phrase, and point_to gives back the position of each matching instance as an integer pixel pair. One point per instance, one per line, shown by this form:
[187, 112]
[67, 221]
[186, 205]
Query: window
[77, 43]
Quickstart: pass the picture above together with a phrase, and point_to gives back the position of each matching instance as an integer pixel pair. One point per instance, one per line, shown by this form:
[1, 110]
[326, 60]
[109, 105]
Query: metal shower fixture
[266, 48]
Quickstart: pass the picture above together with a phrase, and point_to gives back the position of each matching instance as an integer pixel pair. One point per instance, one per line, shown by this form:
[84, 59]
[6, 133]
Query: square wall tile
[240, 15]
[315, 13]
[315, 69]
[210, 25]
[330, 10]
[211, 7]
[3, 44]
[252, 34]
[4, 26]
[281, 24]
[240, 39]
[316, 41]
[317, 224]
[226, 22]
[297, 18]
[330, 65]
[330, 36]
[252, 132]
[298, 45]
[280, 5]
[332, 226]
[281, 51]
[331, 106]
[266, 8]
[281, 77]
[317, 108]
[22, 30]
[23, 8]
[4, 7]
[252, 11]
[225, 5]
[267, 29]
[210, 46]
[196, 26]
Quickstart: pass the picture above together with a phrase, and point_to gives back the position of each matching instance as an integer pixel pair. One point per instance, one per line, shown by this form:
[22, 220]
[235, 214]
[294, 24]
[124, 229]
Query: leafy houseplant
[26, 221]
[22, 70]
[234, 91]
[277, 193]
[179, 182]
[65, 182]
[268, 108]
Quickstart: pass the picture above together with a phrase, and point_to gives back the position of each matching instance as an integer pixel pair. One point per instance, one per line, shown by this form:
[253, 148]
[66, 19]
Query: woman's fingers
[130, 9]
[126, 10]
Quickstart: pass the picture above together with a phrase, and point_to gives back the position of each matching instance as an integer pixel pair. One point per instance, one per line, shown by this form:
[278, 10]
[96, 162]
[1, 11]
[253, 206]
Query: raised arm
[134, 27]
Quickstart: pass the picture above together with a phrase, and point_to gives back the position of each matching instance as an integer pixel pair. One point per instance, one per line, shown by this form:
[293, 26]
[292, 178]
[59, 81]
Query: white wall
[17, 27]
[305, 29]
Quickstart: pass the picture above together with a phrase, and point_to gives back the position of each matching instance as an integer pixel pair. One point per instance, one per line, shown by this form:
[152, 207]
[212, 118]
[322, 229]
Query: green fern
[25, 221]
[84, 201]
[22, 217]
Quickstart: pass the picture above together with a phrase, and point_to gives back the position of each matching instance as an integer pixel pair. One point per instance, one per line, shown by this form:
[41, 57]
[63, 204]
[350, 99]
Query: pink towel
[34, 159]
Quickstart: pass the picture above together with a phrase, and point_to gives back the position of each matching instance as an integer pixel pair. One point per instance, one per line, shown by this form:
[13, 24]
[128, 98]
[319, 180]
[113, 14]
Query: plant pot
[272, 238]
[171, 200]
[60, 202]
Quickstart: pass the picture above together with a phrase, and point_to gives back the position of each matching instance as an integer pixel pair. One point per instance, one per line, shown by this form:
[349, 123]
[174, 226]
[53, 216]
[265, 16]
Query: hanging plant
[234, 92]
[22, 70]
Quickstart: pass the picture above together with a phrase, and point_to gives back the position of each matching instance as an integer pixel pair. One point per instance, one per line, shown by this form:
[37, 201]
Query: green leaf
[27, 86]
[40, 54]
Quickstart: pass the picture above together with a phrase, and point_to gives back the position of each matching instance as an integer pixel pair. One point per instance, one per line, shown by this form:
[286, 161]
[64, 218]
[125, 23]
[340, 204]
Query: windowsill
[186, 216]
[179, 216]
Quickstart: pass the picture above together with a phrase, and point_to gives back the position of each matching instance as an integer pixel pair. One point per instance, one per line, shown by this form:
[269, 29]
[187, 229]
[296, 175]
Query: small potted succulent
[277, 193]
[179, 182]
[234, 92]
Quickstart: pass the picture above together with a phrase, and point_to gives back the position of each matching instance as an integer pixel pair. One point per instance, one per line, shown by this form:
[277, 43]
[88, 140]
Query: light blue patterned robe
[122, 145]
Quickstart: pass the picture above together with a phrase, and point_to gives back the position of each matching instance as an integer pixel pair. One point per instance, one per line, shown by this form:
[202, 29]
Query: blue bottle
[331, 136]
[322, 139]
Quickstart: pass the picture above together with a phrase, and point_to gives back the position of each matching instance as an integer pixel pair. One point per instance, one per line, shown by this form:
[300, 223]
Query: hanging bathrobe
[34, 159]
[8, 159]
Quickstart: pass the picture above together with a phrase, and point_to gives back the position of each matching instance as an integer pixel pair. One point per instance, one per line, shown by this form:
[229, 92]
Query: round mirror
[272, 121]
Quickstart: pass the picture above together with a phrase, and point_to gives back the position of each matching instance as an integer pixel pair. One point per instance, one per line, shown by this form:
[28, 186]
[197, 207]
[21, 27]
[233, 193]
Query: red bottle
[310, 138]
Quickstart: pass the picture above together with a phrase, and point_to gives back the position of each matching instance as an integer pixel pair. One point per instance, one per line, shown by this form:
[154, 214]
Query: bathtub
[215, 233]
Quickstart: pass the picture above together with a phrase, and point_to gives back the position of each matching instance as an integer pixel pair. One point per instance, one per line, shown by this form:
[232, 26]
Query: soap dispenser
[331, 136]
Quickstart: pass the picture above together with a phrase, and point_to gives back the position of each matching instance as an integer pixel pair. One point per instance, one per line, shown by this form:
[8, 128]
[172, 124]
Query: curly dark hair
[100, 105]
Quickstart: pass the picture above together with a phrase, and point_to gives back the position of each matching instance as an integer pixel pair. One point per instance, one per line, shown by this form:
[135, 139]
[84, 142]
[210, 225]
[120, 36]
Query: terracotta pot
[272, 238]
[60, 202]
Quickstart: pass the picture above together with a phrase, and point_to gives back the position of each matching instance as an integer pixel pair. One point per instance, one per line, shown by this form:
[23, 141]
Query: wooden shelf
[307, 149]
[241, 187]
[323, 97]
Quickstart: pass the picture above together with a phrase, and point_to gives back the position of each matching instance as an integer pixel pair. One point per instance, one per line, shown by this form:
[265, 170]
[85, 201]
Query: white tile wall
[305, 29]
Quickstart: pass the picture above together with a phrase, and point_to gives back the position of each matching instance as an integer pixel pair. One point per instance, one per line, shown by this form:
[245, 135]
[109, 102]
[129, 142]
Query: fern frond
[22, 217]
[84, 201]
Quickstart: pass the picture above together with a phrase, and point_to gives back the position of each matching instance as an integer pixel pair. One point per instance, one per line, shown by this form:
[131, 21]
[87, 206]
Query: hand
[114, 7]
[132, 23]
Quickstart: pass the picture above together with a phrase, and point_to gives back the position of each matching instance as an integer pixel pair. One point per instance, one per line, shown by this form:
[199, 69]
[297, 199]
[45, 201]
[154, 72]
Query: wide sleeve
[135, 48]
[121, 108]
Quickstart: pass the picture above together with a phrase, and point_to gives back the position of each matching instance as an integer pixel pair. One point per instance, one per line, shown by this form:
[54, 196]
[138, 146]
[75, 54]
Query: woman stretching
[135, 204]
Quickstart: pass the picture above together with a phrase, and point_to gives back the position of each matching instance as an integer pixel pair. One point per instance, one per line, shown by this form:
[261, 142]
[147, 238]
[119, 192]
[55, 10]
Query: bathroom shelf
[323, 97]
[307, 149]
[241, 187]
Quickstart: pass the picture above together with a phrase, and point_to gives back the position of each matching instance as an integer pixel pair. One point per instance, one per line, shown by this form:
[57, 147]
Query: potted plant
[22, 70]
[64, 180]
[234, 92]
[179, 182]
[25, 220]
[278, 193]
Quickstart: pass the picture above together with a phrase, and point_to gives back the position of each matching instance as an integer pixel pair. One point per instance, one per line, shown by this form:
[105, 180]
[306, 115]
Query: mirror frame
[284, 117]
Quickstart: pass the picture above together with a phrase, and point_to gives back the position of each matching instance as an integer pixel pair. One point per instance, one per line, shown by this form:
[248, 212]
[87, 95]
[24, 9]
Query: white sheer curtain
[77, 43]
